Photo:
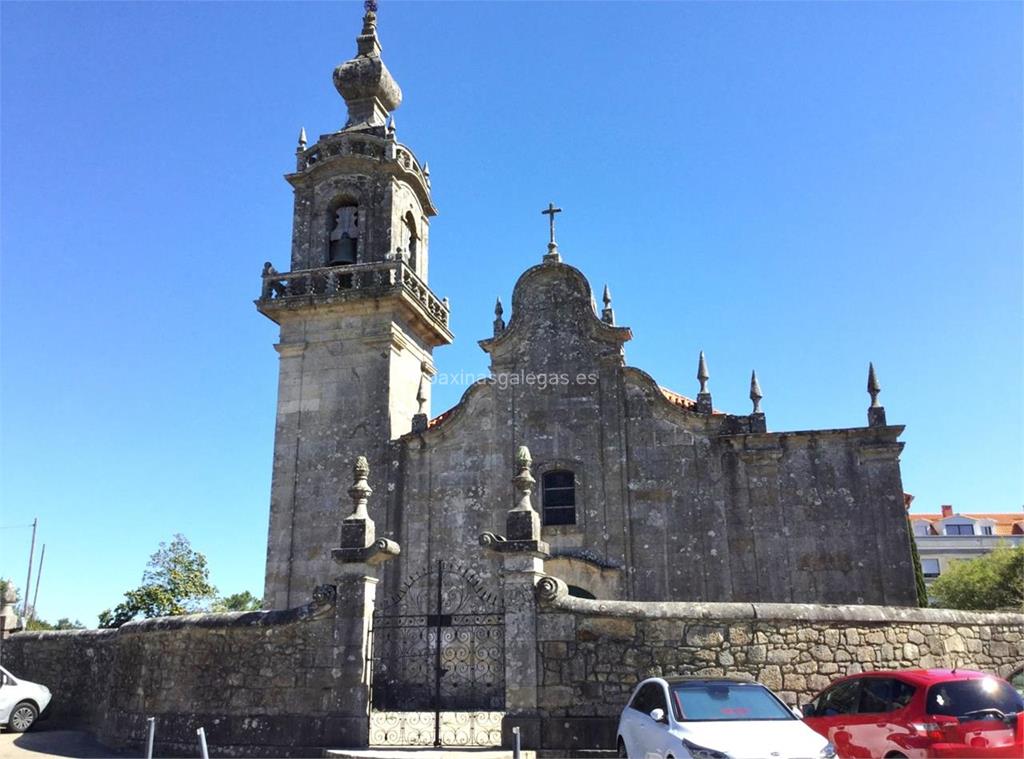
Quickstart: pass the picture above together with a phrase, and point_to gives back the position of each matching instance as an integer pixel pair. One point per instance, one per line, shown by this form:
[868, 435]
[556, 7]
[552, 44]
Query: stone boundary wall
[592, 653]
[258, 682]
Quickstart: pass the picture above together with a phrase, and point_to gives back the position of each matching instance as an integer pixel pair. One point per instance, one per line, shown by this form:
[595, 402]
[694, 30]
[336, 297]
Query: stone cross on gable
[550, 212]
[552, 254]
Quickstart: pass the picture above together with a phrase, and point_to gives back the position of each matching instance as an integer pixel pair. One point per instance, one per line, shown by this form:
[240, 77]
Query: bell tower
[358, 319]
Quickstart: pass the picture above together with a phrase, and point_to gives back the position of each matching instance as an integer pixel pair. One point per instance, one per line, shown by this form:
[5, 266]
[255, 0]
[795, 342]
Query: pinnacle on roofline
[607, 314]
[876, 411]
[755, 392]
[757, 420]
[420, 420]
[704, 395]
[499, 322]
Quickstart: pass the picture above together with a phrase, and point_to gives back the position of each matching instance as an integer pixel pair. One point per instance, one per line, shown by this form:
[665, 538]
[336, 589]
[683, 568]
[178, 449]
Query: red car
[918, 713]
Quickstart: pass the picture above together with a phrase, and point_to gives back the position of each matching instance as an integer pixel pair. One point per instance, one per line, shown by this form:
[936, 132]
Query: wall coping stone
[554, 594]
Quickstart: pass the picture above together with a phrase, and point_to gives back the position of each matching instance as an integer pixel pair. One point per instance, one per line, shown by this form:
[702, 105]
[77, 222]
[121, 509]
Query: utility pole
[39, 576]
[31, 556]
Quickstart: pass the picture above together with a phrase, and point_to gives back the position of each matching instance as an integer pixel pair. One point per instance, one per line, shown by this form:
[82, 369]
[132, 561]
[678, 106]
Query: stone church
[643, 494]
[514, 565]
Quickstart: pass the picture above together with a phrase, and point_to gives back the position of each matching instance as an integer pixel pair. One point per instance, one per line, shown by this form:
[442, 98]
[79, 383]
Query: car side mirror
[807, 710]
[798, 713]
[658, 715]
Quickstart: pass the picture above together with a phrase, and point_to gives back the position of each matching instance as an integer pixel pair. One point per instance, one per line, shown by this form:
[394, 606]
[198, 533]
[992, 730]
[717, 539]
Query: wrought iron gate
[439, 661]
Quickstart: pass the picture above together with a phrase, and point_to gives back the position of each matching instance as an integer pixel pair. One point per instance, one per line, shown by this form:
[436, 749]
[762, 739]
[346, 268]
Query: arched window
[344, 237]
[558, 496]
[412, 240]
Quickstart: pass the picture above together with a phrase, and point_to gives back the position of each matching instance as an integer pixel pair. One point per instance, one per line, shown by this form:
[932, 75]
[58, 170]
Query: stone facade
[674, 500]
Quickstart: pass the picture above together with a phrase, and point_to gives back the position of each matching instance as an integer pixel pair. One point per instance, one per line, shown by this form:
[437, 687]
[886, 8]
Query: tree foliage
[61, 624]
[993, 581]
[244, 601]
[176, 581]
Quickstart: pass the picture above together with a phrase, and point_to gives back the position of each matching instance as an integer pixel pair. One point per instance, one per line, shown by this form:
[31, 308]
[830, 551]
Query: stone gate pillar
[360, 554]
[522, 553]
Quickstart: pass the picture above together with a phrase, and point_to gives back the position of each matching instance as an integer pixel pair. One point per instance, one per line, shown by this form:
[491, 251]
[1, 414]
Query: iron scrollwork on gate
[439, 647]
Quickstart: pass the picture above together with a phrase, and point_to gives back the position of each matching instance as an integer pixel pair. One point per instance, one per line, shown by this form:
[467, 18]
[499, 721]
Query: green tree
[176, 581]
[915, 557]
[993, 581]
[244, 601]
[61, 624]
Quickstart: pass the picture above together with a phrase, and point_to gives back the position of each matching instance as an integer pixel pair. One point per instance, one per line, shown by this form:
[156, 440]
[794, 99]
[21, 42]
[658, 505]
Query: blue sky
[797, 188]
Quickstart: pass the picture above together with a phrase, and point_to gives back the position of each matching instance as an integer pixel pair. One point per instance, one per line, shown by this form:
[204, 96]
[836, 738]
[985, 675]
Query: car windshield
[959, 697]
[723, 702]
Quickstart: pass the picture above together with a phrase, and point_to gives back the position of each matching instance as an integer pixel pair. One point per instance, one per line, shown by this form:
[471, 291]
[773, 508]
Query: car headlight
[701, 752]
[829, 752]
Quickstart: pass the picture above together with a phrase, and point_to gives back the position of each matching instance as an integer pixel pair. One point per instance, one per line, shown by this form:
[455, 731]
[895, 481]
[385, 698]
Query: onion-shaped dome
[370, 92]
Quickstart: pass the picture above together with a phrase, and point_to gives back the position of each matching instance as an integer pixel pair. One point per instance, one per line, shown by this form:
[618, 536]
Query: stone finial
[421, 396]
[302, 138]
[360, 491]
[359, 543]
[876, 411]
[702, 373]
[757, 420]
[392, 126]
[755, 392]
[523, 480]
[522, 523]
[370, 92]
[873, 387]
[499, 322]
[419, 419]
[607, 314]
[703, 395]
[426, 173]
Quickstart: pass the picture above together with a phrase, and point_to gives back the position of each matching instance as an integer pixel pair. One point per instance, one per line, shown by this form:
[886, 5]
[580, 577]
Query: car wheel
[22, 717]
[621, 753]
[895, 755]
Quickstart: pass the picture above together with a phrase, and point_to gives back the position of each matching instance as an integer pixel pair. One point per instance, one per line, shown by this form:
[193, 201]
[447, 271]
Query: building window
[412, 240]
[344, 238]
[930, 567]
[959, 529]
[558, 493]
[986, 530]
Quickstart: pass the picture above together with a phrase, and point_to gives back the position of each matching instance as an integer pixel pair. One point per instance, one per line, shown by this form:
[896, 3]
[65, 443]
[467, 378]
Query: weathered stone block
[611, 628]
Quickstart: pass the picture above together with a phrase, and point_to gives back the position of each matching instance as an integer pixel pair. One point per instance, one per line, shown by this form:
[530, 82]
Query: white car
[21, 702]
[714, 718]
